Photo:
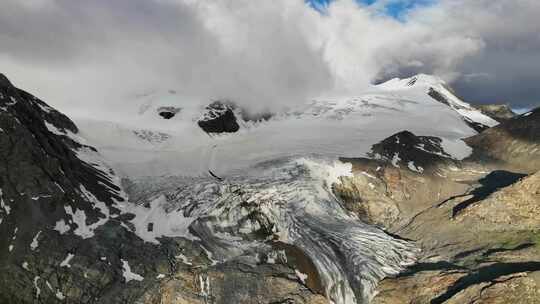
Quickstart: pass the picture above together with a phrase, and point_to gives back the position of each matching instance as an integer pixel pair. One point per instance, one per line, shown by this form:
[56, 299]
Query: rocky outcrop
[219, 117]
[514, 143]
[499, 112]
[477, 223]
[404, 175]
[225, 116]
[233, 283]
[488, 253]
[417, 153]
[516, 207]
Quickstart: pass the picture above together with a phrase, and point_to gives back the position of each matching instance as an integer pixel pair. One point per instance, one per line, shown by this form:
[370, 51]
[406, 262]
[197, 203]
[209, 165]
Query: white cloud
[85, 56]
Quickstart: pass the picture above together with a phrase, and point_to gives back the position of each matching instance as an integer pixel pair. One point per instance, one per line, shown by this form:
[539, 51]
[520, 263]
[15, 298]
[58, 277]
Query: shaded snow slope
[438, 90]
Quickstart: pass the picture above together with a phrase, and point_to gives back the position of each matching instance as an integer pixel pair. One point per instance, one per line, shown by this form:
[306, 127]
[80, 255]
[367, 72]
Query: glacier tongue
[288, 201]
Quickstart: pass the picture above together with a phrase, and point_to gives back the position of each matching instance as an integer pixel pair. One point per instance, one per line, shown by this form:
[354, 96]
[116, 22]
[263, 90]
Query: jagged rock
[58, 215]
[219, 118]
[499, 112]
[407, 173]
[417, 153]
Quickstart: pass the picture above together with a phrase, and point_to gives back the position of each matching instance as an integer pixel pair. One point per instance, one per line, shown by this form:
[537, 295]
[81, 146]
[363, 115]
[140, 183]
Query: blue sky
[394, 8]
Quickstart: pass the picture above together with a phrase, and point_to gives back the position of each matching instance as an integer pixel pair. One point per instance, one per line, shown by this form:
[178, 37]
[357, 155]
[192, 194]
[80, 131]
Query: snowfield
[148, 145]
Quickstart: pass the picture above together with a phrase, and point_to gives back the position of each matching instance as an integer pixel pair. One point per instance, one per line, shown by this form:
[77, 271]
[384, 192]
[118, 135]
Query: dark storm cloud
[506, 69]
[511, 78]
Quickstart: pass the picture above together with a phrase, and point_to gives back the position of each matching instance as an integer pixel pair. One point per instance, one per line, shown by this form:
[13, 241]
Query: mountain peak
[4, 81]
[413, 81]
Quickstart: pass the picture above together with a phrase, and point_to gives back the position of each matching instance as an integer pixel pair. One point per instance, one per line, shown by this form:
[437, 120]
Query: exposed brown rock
[513, 144]
[499, 112]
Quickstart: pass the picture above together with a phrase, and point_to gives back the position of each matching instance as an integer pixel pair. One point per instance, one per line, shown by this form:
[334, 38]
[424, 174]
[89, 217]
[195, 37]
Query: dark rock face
[219, 118]
[53, 205]
[500, 113]
[412, 82]
[438, 96]
[223, 117]
[416, 152]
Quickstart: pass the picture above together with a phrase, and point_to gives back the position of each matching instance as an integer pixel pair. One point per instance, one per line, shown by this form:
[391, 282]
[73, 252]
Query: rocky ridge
[476, 220]
[499, 112]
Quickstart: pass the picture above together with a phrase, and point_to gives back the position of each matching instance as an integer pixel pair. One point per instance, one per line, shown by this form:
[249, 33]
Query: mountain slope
[515, 142]
[499, 112]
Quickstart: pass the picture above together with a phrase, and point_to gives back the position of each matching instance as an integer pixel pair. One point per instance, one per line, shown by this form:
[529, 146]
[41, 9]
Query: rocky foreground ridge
[67, 236]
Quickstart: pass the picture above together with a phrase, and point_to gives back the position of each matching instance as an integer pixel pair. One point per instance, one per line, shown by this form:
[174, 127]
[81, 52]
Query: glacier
[239, 194]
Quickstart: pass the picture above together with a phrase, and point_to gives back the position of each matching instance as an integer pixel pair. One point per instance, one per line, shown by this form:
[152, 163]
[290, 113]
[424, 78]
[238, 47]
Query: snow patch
[53, 129]
[395, 160]
[4, 206]
[79, 216]
[414, 168]
[184, 259]
[128, 274]
[301, 276]
[457, 148]
[35, 241]
[61, 227]
[65, 262]
[204, 285]
[59, 295]
[36, 287]
[163, 223]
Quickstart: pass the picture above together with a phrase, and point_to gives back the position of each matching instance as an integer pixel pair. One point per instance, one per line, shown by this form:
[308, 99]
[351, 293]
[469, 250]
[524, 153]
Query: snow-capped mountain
[204, 203]
[213, 145]
[328, 127]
